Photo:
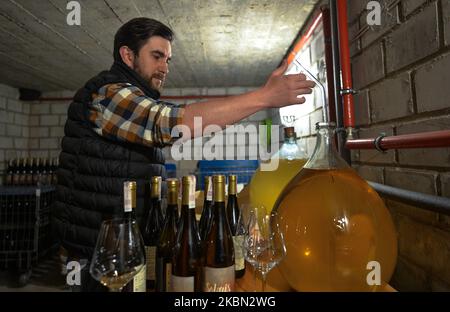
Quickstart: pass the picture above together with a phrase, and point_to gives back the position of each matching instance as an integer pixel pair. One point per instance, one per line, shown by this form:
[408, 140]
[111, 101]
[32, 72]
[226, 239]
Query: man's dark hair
[135, 33]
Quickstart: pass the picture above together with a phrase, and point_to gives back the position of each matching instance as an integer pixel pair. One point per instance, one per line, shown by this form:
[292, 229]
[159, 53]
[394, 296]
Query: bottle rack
[25, 228]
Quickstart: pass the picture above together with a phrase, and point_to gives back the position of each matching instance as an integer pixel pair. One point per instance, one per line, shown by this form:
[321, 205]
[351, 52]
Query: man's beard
[147, 78]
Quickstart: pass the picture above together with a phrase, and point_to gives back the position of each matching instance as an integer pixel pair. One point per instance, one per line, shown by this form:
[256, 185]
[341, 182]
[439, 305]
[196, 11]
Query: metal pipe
[415, 140]
[340, 134]
[428, 202]
[347, 92]
[329, 62]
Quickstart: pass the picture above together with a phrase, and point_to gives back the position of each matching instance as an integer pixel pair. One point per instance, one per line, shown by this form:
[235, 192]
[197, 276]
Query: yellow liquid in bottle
[336, 225]
[266, 186]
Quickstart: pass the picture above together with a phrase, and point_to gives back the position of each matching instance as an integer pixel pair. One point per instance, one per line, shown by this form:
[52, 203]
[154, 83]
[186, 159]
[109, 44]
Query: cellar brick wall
[402, 70]
[14, 125]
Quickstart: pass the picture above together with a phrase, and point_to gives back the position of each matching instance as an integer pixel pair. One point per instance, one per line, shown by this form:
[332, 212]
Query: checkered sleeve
[122, 111]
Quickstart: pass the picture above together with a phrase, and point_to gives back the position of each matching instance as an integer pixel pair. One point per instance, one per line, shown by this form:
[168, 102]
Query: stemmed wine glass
[264, 245]
[119, 253]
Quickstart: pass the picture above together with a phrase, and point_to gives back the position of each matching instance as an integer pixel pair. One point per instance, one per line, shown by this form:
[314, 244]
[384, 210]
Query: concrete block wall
[14, 126]
[401, 70]
[189, 166]
[47, 120]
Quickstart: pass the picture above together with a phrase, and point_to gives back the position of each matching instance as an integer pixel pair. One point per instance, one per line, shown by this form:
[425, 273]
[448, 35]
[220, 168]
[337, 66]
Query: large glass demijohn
[338, 228]
[266, 186]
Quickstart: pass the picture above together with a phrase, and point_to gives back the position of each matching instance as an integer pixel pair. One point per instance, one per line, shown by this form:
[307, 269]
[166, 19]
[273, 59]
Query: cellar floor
[45, 277]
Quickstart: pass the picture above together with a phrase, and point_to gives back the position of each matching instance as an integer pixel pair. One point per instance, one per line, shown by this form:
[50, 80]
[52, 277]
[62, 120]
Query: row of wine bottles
[183, 255]
[31, 171]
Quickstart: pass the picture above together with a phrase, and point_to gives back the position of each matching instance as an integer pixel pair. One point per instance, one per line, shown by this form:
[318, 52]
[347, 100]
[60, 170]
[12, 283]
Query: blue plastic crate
[171, 170]
[243, 169]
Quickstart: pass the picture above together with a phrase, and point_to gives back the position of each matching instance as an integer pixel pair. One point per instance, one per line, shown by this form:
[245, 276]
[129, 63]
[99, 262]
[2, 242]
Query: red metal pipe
[349, 120]
[416, 140]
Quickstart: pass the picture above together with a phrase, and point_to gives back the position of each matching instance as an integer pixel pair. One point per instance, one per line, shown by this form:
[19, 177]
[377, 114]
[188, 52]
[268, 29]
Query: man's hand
[283, 90]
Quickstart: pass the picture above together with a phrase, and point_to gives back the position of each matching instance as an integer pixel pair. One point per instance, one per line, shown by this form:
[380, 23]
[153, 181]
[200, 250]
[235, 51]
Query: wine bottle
[138, 283]
[55, 169]
[164, 250]
[153, 229]
[237, 230]
[218, 252]
[10, 173]
[23, 172]
[35, 169]
[43, 174]
[16, 175]
[205, 219]
[49, 171]
[187, 252]
[29, 172]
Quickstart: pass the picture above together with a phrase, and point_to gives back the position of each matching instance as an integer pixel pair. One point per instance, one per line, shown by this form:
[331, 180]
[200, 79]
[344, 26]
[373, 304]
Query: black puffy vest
[92, 171]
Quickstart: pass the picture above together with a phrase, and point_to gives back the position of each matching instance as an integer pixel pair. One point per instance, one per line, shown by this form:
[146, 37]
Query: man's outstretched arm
[280, 90]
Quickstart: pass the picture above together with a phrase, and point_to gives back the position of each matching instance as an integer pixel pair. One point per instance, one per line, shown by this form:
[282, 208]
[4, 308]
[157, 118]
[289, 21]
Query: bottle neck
[219, 193]
[187, 215]
[172, 197]
[325, 155]
[219, 209]
[155, 210]
[291, 140]
[171, 212]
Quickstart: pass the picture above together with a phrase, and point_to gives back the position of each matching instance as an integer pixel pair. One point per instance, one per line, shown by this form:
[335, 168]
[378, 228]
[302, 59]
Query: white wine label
[150, 253]
[192, 192]
[126, 198]
[218, 279]
[238, 242]
[139, 281]
[182, 283]
[168, 276]
[209, 191]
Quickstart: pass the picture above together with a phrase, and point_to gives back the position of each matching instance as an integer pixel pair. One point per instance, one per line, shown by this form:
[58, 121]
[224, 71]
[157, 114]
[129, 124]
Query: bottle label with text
[127, 198]
[139, 282]
[238, 252]
[218, 279]
[192, 193]
[163, 272]
[150, 253]
[182, 283]
[209, 192]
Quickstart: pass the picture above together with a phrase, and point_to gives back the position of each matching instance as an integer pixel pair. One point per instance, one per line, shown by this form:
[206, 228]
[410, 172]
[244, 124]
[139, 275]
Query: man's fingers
[300, 81]
[280, 70]
[296, 77]
[307, 84]
[304, 91]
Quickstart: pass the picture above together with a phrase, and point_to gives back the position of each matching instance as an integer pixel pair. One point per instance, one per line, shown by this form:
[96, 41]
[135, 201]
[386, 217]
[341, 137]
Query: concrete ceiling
[217, 43]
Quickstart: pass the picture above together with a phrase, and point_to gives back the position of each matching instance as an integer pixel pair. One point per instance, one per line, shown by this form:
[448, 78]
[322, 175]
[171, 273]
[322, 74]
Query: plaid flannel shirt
[123, 112]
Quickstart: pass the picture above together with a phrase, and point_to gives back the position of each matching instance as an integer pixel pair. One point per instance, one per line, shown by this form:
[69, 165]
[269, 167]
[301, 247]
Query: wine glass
[119, 253]
[264, 245]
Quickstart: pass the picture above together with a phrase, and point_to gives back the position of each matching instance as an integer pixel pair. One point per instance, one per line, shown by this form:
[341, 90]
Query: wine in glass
[118, 254]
